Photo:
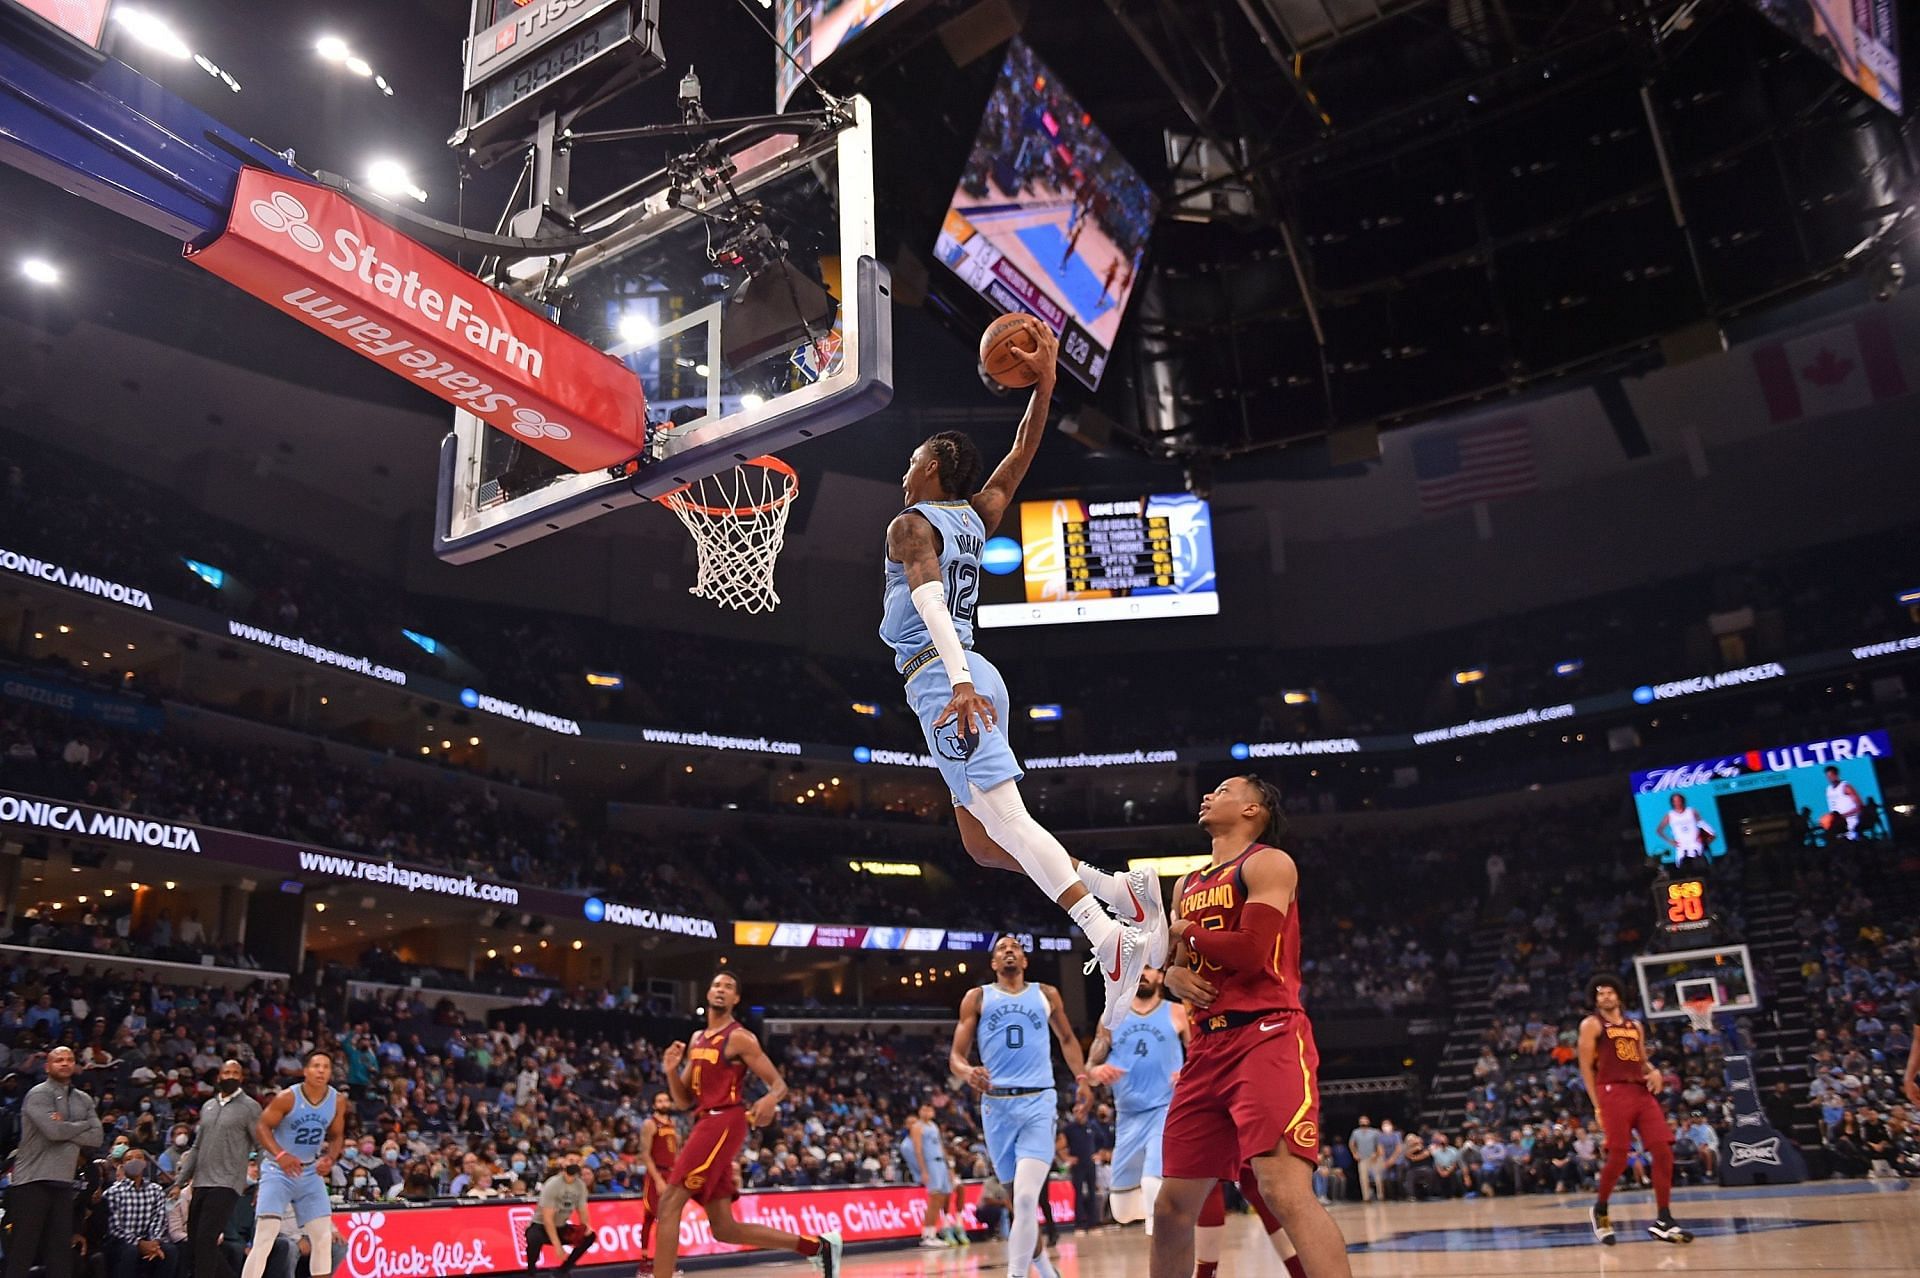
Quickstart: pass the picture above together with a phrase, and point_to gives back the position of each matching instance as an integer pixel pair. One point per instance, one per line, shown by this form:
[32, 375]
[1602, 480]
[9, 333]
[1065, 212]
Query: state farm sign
[488, 1238]
[315, 255]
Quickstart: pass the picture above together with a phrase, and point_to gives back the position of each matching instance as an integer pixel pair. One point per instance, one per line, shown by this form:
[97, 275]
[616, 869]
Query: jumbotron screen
[814, 30]
[1860, 39]
[1070, 560]
[1824, 791]
[1049, 218]
[82, 19]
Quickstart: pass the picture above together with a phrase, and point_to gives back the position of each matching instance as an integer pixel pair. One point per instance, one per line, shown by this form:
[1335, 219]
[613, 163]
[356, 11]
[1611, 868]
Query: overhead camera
[1887, 275]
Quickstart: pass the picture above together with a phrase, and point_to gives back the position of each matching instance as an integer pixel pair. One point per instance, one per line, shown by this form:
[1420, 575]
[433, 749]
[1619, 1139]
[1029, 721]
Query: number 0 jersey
[961, 535]
[1015, 1040]
[1215, 898]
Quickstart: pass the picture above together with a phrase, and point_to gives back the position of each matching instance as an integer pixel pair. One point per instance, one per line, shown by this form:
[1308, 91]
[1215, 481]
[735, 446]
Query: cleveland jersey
[1214, 898]
[712, 1078]
[666, 1144]
[957, 527]
[1621, 1054]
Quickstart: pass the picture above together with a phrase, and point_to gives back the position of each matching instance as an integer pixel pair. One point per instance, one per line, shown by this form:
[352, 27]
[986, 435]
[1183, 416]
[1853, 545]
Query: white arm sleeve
[930, 601]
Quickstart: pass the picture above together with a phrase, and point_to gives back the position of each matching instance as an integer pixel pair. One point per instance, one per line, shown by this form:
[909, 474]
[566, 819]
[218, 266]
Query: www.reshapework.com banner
[310, 865]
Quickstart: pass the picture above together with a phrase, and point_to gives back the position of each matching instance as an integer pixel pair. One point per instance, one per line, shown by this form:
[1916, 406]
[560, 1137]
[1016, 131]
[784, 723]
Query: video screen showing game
[1858, 38]
[1070, 560]
[1049, 217]
[1818, 793]
[814, 30]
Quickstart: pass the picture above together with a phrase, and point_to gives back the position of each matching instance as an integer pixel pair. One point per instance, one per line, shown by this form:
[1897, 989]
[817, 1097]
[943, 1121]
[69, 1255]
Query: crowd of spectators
[73, 511]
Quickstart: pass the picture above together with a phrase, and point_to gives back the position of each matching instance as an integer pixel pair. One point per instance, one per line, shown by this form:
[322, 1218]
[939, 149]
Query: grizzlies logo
[956, 742]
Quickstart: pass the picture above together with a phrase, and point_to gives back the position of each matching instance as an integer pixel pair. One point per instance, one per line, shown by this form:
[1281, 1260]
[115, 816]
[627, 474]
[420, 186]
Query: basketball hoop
[738, 519]
[1700, 1014]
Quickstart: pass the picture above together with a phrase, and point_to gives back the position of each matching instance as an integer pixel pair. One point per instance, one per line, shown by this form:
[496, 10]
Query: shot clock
[524, 59]
[1680, 905]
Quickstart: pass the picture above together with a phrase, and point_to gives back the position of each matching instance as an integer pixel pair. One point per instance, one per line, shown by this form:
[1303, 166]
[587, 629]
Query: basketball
[1828, 821]
[997, 359]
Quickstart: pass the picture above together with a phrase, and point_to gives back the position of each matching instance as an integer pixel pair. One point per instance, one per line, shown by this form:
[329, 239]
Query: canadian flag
[1831, 370]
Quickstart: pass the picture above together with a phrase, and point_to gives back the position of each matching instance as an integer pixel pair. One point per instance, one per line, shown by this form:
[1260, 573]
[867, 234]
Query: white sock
[1092, 918]
[266, 1229]
[1029, 1179]
[320, 1243]
[1150, 1191]
[1043, 1267]
[1110, 888]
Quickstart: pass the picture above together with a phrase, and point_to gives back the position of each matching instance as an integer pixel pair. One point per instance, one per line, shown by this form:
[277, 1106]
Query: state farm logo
[370, 1254]
[533, 424]
[285, 215]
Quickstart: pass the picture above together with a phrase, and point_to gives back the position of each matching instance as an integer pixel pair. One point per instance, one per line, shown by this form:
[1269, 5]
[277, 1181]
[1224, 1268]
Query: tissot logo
[284, 214]
[532, 20]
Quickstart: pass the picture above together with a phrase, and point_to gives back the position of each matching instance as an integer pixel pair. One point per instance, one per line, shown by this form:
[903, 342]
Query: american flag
[1478, 463]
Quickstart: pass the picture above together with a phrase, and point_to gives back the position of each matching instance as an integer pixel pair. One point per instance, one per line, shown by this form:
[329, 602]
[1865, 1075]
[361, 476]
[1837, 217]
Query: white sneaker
[827, 1263]
[1121, 972]
[1146, 910]
[932, 1243]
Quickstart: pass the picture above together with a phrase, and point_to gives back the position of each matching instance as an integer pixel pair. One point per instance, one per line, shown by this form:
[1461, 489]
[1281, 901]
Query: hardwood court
[1836, 1227]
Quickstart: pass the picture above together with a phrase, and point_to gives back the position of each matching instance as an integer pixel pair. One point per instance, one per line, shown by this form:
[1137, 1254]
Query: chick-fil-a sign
[489, 1238]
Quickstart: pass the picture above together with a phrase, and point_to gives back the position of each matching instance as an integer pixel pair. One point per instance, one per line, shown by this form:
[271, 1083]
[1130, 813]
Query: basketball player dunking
[1140, 1061]
[705, 1073]
[932, 585]
[659, 1147]
[1622, 1083]
[1247, 1095]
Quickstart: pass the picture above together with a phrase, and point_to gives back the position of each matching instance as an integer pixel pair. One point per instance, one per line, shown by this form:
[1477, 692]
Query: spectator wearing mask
[563, 1199]
[1493, 1164]
[58, 1127]
[218, 1166]
[1368, 1161]
[1447, 1176]
[137, 1243]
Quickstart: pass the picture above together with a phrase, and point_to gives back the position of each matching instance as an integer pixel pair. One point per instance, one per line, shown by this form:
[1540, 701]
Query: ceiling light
[171, 885]
[493, 953]
[702, 370]
[106, 891]
[152, 31]
[319, 907]
[636, 330]
[578, 944]
[357, 64]
[66, 630]
[473, 740]
[390, 178]
[332, 48]
[751, 401]
[40, 271]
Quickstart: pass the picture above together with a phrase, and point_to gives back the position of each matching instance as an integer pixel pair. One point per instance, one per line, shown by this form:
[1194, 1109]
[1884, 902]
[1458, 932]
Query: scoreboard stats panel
[1076, 560]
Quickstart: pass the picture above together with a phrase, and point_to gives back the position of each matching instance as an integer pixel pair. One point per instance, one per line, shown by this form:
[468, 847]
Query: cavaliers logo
[955, 742]
[1306, 1134]
[696, 1182]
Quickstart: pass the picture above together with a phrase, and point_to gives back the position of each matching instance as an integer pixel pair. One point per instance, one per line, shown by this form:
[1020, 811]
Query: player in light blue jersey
[1140, 1061]
[932, 587]
[1011, 1021]
[924, 1153]
[302, 1129]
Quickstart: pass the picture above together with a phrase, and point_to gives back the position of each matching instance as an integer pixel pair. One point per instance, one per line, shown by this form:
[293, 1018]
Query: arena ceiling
[1427, 204]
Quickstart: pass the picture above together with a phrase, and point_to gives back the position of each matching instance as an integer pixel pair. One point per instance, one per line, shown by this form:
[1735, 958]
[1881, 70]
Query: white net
[738, 519]
[1700, 1014]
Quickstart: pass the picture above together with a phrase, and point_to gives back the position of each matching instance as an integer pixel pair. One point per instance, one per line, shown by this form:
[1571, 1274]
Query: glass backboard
[751, 309]
[1668, 982]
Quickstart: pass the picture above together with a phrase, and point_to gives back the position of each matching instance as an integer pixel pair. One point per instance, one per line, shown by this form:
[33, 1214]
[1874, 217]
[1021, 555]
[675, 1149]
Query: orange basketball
[996, 349]
[1828, 821]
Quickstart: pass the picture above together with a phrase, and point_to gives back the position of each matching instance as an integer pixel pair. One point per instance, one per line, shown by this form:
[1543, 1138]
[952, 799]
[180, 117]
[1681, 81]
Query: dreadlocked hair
[958, 462]
[1271, 801]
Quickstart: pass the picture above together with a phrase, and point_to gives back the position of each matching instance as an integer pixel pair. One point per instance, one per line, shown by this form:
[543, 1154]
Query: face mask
[519, 1165]
[392, 1155]
[182, 1141]
[359, 1181]
[145, 1106]
[120, 1150]
[228, 1086]
[136, 1170]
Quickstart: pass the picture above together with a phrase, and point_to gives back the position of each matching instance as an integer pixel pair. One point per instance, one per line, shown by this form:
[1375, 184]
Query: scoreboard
[526, 57]
[1680, 905]
[1118, 548]
[1070, 559]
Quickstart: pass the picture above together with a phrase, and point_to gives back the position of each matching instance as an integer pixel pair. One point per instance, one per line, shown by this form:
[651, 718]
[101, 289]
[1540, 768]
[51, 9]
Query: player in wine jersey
[705, 1074]
[932, 584]
[1685, 831]
[1247, 1096]
[302, 1131]
[659, 1147]
[1140, 1063]
[1011, 1020]
[1622, 1084]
